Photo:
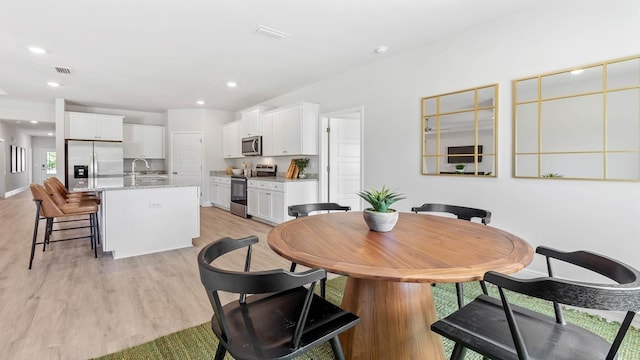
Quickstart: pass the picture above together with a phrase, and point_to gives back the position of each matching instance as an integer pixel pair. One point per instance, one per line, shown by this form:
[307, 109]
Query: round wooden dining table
[390, 273]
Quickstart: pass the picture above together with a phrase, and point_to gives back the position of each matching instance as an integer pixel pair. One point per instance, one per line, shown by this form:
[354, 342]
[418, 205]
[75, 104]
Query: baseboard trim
[14, 192]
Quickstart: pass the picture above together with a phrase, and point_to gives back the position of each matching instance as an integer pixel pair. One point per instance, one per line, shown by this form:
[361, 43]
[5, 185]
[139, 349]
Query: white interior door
[186, 158]
[44, 164]
[342, 158]
[3, 171]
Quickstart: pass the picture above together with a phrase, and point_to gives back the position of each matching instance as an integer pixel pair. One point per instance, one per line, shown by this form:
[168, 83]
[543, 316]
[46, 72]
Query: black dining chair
[498, 329]
[304, 210]
[277, 315]
[463, 213]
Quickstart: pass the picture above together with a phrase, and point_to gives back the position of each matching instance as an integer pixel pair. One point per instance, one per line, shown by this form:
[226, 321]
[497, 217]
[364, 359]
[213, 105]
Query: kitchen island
[146, 215]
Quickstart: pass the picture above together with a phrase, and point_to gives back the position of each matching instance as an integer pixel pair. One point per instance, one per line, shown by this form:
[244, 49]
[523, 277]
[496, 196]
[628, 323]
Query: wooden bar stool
[54, 184]
[47, 208]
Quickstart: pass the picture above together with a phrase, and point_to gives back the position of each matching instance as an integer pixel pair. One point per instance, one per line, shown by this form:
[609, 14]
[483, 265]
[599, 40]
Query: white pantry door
[186, 158]
[342, 163]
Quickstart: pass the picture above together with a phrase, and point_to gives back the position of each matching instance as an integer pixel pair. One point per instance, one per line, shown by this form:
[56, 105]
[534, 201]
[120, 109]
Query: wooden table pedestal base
[401, 314]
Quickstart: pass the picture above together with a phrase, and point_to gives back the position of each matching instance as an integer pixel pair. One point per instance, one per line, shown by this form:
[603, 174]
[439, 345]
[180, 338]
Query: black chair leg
[35, 236]
[460, 293]
[458, 352]
[323, 288]
[220, 352]
[47, 233]
[93, 225]
[293, 267]
[337, 348]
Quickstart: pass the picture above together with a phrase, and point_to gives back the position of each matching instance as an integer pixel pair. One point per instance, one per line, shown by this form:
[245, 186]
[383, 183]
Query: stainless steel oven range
[238, 204]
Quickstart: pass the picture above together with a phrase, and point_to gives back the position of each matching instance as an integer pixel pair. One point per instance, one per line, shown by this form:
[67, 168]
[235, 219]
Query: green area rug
[199, 342]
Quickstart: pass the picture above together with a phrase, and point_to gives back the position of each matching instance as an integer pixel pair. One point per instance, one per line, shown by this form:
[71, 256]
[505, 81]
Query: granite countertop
[128, 183]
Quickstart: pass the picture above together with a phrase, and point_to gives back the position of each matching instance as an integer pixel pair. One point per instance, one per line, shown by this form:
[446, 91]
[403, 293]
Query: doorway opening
[341, 157]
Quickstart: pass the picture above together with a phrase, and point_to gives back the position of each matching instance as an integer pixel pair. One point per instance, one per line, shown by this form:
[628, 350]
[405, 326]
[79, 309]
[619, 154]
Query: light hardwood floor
[73, 306]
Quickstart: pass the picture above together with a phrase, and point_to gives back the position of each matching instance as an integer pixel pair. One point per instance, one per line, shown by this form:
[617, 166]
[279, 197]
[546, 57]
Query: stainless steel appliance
[87, 161]
[252, 146]
[238, 205]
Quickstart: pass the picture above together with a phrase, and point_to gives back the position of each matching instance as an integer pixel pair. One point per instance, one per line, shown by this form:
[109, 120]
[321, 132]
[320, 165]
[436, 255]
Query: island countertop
[128, 182]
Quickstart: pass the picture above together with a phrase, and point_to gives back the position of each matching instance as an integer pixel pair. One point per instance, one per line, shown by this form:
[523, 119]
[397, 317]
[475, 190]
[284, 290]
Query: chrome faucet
[133, 166]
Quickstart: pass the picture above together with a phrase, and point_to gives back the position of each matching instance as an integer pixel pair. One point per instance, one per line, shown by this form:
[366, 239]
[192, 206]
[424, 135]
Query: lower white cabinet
[220, 191]
[268, 200]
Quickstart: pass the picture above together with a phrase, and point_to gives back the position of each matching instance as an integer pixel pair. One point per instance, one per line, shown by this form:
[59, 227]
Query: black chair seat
[485, 318]
[246, 328]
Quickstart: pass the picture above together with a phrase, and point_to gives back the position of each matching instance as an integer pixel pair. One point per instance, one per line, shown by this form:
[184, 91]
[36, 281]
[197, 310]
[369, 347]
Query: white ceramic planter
[381, 222]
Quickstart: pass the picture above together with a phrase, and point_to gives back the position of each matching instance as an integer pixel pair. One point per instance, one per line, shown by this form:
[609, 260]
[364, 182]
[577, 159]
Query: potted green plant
[380, 217]
[302, 164]
[460, 168]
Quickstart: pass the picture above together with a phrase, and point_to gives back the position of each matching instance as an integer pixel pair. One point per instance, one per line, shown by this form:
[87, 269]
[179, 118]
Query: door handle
[175, 173]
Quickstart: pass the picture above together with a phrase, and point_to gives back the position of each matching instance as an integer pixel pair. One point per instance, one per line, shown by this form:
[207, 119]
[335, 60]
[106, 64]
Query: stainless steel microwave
[252, 146]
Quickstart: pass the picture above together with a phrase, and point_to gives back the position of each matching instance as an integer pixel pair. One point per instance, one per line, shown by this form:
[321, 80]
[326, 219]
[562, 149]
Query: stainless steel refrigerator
[90, 161]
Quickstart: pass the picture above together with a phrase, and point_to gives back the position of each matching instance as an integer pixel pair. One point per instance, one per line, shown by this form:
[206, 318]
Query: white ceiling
[154, 55]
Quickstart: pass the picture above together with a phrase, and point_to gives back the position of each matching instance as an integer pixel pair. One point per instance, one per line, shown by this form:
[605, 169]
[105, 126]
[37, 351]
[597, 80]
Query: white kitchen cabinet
[268, 200]
[294, 130]
[267, 134]
[88, 126]
[231, 140]
[143, 141]
[220, 191]
[251, 123]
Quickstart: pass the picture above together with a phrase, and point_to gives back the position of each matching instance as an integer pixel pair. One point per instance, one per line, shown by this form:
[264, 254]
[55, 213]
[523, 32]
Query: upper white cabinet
[231, 140]
[251, 122]
[291, 130]
[87, 126]
[143, 141]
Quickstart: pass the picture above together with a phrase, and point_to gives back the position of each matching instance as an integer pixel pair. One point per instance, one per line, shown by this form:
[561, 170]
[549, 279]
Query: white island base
[144, 220]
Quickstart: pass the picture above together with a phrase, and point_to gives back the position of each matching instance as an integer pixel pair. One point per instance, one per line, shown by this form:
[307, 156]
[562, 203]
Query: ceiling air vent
[62, 70]
[269, 32]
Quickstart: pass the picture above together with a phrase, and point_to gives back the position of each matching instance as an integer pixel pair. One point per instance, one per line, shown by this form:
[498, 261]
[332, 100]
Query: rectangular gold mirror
[459, 132]
[579, 123]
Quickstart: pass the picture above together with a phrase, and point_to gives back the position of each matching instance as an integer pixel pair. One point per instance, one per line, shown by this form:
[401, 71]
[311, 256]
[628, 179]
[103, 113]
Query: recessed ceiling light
[200, 102]
[50, 134]
[578, 71]
[232, 84]
[33, 122]
[381, 49]
[37, 50]
[269, 32]
[53, 83]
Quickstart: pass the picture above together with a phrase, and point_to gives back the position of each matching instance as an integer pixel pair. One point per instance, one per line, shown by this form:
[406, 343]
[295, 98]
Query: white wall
[209, 122]
[567, 214]
[13, 136]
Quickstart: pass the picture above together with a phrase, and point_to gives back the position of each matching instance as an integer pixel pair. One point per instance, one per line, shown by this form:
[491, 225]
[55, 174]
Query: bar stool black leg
[35, 233]
[47, 233]
[93, 223]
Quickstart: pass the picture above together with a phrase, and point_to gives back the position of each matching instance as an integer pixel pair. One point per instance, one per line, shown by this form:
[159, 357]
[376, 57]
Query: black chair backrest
[306, 209]
[623, 295]
[246, 282]
[464, 213]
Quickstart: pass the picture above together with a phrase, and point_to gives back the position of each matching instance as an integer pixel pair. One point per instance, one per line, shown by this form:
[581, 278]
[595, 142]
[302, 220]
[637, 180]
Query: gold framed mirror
[459, 135]
[579, 123]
